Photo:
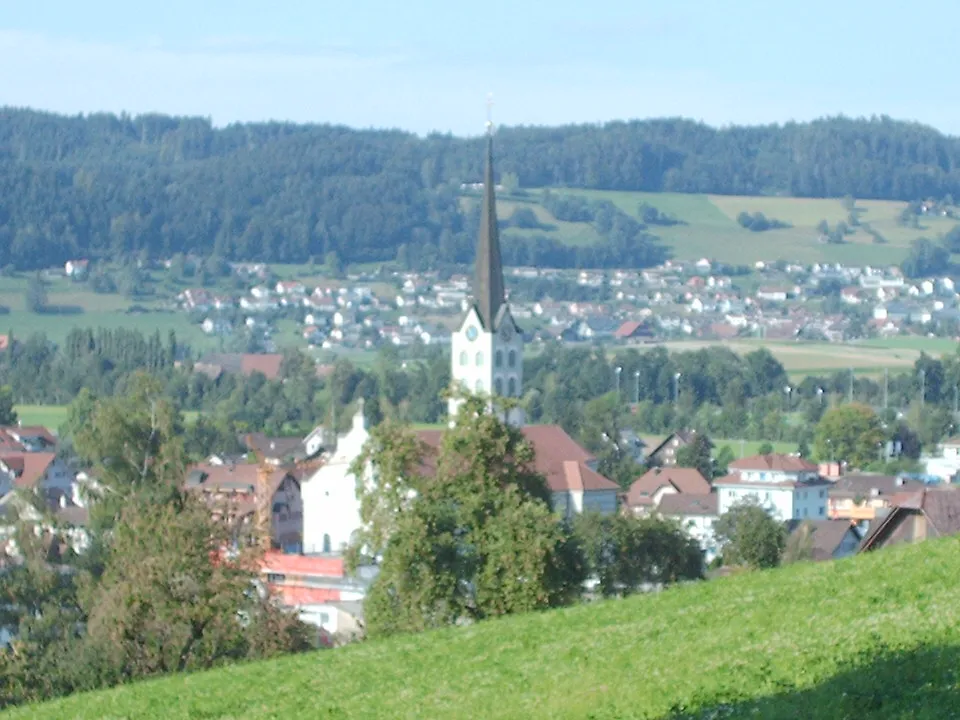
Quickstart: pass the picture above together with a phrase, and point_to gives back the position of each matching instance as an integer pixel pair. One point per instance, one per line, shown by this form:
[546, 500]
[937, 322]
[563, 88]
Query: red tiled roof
[684, 480]
[629, 328]
[688, 504]
[553, 449]
[295, 596]
[773, 461]
[267, 363]
[318, 565]
[27, 467]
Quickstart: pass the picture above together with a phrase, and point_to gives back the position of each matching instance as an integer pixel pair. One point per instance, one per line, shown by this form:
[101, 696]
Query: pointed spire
[488, 291]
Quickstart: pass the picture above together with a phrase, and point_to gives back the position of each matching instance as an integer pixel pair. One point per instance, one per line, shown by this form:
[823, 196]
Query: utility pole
[850, 399]
[636, 391]
[886, 380]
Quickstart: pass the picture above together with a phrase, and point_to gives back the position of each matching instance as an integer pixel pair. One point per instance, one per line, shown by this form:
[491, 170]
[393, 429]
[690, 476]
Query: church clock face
[472, 333]
[506, 332]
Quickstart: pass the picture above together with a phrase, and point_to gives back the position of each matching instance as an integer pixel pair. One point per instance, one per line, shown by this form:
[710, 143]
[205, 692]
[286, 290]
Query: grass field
[49, 416]
[711, 229]
[874, 637]
[741, 448]
[801, 359]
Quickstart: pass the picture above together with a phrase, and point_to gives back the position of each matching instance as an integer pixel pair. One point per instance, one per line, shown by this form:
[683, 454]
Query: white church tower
[487, 355]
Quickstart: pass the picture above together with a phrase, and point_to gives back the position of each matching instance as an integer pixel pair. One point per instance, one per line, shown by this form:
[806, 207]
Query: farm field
[53, 416]
[873, 637]
[711, 229]
[741, 448]
[801, 359]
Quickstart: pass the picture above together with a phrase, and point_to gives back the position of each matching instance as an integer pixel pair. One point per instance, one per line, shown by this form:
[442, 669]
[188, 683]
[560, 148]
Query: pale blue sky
[428, 65]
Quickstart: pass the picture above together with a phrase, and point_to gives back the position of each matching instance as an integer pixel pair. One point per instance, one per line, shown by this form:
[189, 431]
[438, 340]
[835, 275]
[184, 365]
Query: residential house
[647, 491]
[696, 514]
[773, 294]
[280, 450]
[634, 330]
[788, 487]
[572, 478]
[825, 539]
[860, 497]
[665, 454]
[26, 438]
[76, 269]
[290, 287]
[929, 513]
[42, 472]
[232, 491]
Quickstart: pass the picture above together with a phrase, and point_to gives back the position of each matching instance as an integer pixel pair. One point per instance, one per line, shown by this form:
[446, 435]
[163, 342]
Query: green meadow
[872, 637]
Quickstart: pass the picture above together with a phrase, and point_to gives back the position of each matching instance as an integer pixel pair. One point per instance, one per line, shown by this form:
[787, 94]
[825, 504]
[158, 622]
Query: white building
[696, 514]
[331, 510]
[788, 487]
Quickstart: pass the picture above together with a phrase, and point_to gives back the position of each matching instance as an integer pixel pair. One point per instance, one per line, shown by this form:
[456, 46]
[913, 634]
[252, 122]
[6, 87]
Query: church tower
[487, 355]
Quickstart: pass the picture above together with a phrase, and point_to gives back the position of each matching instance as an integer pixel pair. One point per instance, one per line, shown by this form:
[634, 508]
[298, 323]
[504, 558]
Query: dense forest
[104, 185]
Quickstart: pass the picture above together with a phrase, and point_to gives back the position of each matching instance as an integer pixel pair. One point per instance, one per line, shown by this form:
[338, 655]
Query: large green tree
[625, 553]
[749, 536]
[850, 433]
[472, 538]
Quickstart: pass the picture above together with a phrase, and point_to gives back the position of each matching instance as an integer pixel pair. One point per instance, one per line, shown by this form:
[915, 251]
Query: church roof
[488, 287]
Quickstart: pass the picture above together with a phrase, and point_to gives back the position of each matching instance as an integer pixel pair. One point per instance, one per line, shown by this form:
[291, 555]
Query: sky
[429, 65]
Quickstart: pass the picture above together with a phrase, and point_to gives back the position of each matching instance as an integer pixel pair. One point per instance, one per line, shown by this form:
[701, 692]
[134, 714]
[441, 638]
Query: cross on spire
[489, 124]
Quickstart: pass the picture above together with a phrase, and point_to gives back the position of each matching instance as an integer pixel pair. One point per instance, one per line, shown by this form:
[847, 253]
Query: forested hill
[102, 185]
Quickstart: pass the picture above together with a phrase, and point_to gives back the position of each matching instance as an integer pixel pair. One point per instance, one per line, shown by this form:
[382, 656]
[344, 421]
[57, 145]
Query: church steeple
[488, 290]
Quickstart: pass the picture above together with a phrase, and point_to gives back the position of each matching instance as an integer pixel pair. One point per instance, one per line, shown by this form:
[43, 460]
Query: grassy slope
[872, 637]
[711, 229]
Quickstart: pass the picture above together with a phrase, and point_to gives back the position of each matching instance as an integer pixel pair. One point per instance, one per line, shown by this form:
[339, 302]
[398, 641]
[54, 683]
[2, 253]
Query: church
[486, 359]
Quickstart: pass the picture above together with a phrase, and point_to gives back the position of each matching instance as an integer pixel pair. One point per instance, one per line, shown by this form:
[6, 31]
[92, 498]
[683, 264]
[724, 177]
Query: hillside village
[307, 489]
[676, 300]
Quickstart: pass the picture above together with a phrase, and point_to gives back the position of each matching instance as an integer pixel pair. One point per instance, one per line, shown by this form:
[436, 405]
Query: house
[279, 450]
[290, 287]
[232, 491]
[860, 497]
[42, 472]
[26, 438]
[647, 491]
[928, 513]
[596, 327]
[825, 539]
[773, 294]
[76, 269]
[574, 483]
[665, 454]
[788, 487]
[634, 330]
[696, 513]
[320, 590]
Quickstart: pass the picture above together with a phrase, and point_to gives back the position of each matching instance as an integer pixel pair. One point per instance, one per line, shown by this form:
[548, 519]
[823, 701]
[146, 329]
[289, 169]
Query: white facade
[331, 509]
[488, 363]
[806, 501]
[700, 528]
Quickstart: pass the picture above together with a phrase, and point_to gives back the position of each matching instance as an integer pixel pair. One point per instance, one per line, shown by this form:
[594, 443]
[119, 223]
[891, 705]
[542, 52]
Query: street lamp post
[820, 395]
[788, 391]
[636, 390]
[617, 371]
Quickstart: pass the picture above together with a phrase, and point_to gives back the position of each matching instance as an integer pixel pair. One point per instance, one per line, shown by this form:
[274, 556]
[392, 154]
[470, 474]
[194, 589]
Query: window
[498, 384]
[821, 509]
[498, 359]
[796, 513]
[276, 577]
[766, 496]
[512, 387]
[324, 618]
[512, 358]
[463, 358]
[479, 359]
[326, 542]
[804, 512]
[823, 494]
[479, 386]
